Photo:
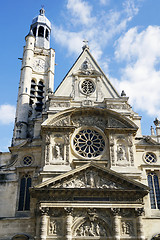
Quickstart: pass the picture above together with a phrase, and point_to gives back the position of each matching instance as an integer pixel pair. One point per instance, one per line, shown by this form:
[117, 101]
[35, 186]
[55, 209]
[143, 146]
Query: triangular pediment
[92, 176]
[147, 141]
[86, 67]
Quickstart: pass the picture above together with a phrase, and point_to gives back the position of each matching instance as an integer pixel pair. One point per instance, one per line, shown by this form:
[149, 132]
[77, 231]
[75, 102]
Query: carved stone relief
[62, 122]
[60, 149]
[127, 227]
[86, 67]
[58, 152]
[122, 106]
[89, 121]
[91, 228]
[114, 123]
[60, 104]
[89, 179]
[55, 227]
[112, 156]
[47, 148]
[121, 154]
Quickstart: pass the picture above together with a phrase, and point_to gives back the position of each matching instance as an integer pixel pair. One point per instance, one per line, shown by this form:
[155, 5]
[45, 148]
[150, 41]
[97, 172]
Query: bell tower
[36, 80]
[41, 28]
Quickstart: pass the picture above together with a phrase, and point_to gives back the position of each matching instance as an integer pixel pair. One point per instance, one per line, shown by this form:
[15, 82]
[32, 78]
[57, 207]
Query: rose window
[27, 160]
[88, 143]
[87, 87]
[150, 157]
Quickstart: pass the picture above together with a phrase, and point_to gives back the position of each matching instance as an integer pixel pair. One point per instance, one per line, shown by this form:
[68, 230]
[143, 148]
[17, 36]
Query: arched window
[153, 183]
[34, 31]
[20, 237]
[47, 34]
[24, 196]
[41, 31]
[40, 91]
[32, 91]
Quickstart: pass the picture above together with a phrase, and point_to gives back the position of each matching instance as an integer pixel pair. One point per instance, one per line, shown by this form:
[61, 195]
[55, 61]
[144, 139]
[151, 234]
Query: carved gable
[92, 176]
[85, 78]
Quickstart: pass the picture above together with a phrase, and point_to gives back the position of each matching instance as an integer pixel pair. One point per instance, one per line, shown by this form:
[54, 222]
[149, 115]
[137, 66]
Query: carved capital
[43, 210]
[68, 210]
[139, 211]
[92, 215]
[115, 211]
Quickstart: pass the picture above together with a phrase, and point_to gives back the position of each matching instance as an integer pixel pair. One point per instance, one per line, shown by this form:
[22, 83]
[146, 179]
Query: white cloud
[98, 29]
[130, 8]
[104, 2]
[80, 11]
[141, 75]
[7, 114]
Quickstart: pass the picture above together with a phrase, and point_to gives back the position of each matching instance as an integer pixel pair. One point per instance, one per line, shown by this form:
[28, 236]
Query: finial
[156, 122]
[85, 45]
[42, 11]
[123, 94]
[152, 131]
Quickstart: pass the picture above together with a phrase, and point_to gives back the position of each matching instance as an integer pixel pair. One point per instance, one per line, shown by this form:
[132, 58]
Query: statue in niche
[127, 228]
[53, 228]
[121, 155]
[57, 152]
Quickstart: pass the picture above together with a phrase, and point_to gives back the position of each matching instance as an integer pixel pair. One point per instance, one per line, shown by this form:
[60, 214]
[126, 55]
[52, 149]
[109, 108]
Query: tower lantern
[41, 28]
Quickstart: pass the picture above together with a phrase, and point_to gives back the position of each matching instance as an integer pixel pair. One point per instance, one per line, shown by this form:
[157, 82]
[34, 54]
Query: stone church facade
[78, 167]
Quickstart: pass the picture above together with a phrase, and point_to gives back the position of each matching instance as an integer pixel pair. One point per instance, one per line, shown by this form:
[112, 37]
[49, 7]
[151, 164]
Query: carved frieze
[100, 122]
[62, 122]
[121, 106]
[91, 228]
[89, 179]
[60, 104]
[114, 123]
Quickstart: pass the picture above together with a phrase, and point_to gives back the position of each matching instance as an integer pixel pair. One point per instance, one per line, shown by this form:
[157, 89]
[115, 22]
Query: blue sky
[123, 35]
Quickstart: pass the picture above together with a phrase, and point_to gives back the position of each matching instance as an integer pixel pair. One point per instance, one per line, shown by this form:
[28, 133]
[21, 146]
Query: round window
[27, 160]
[150, 158]
[87, 87]
[88, 143]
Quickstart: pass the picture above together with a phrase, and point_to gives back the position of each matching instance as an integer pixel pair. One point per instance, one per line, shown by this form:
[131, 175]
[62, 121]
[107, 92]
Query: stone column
[140, 231]
[69, 220]
[43, 223]
[116, 223]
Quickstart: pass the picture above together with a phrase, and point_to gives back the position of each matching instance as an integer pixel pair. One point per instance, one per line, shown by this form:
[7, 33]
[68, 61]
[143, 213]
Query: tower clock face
[40, 65]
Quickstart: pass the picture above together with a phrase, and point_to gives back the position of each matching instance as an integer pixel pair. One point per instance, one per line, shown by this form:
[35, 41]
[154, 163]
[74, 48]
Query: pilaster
[69, 220]
[43, 223]
[140, 231]
[116, 223]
